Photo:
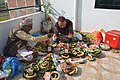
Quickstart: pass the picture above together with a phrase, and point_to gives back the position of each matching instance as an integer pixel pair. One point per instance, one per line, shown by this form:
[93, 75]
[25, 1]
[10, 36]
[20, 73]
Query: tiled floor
[107, 67]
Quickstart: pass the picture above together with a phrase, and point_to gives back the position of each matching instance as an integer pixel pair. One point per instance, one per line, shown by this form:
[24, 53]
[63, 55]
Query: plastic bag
[97, 37]
[12, 66]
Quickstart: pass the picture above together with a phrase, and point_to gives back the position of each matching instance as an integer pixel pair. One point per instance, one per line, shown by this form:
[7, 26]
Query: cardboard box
[112, 38]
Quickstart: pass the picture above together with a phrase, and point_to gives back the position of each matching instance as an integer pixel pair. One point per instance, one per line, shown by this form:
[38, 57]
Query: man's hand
[68, 46]
[50, 34]
[48, 41]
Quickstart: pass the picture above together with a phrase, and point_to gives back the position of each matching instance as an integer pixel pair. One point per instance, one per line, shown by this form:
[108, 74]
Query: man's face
[28, 28]
[62, 24]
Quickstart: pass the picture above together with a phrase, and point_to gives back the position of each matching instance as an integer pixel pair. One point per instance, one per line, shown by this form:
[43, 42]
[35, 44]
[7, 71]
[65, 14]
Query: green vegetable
[8, 71]
[115, 51]
[54, 75]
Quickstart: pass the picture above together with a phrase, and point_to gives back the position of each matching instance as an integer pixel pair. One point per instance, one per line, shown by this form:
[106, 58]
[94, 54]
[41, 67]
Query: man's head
[26, 24]
[62, 21]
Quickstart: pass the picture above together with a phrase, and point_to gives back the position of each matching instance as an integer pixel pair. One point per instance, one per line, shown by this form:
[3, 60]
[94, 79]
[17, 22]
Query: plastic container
[112, 38]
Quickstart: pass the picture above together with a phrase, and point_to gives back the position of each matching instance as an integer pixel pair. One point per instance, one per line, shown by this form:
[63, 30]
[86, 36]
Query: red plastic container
[112, 38]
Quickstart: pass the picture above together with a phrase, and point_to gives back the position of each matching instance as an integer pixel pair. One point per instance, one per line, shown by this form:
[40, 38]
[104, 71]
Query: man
[19, 36]
[63, 30]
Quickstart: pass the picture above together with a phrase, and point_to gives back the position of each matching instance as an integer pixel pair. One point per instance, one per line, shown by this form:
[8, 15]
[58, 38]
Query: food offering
[54, 75]
[61, 45]
[91, 58]
[31, 71]
[64, 53]
[73, 45]
[77, 52]
[69, 68]
[42, 48]
[115, 51]
[53, 44]
[93, 53]
[46, 64]
[104, 46]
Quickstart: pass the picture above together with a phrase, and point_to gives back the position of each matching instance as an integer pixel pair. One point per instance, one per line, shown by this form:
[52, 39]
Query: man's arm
[27, 37]
[56, 34]
[71, 33]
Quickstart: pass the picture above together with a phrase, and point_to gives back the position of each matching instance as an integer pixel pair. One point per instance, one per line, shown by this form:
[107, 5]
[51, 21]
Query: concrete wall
[93, 19]
[5, 26]
[85, 17]
[64, 8]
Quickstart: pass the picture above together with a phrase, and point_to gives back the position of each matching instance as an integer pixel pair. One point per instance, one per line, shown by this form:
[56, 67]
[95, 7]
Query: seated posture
[19, 36]
[63, 30]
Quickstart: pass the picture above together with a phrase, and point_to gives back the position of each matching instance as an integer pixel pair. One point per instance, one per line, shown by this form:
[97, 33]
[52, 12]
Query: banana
[28, 76]
[65, 56]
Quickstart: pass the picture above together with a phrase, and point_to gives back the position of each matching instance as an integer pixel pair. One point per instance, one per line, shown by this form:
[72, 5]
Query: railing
[4, 13]
[21, 8]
